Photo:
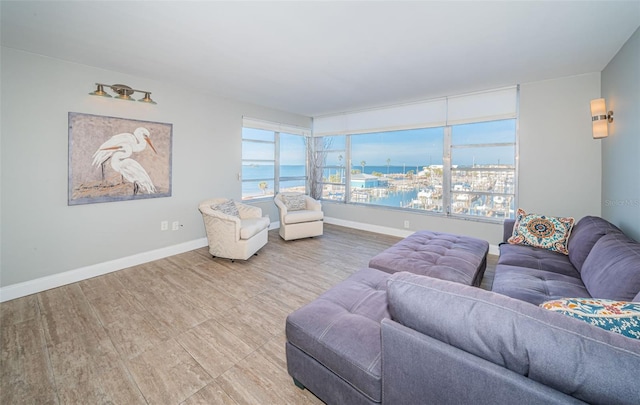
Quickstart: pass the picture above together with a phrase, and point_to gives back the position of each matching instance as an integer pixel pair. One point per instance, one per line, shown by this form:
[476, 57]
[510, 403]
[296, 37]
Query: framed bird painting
[117, 159]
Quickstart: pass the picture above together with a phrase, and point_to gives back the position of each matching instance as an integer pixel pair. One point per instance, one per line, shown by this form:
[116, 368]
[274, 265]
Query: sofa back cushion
[584, 235]
[566, 354]
[612, 269]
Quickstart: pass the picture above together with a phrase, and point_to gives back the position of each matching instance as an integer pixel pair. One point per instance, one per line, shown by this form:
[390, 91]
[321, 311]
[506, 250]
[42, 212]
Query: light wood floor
[187, 329]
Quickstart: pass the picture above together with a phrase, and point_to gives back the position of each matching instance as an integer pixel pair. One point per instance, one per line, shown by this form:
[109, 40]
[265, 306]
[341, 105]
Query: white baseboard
[401, 233]
[72, 276]
[18, 290]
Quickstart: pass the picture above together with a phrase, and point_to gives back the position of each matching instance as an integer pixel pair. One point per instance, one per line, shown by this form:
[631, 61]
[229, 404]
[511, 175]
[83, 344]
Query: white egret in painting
[138, 141]
[130, 169]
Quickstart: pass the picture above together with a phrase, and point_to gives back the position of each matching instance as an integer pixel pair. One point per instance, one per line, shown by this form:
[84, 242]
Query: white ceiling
[319, 57]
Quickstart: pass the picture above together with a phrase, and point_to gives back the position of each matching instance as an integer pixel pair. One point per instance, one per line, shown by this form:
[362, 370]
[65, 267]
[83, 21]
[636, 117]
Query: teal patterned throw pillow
[541, 231]
[616, 316]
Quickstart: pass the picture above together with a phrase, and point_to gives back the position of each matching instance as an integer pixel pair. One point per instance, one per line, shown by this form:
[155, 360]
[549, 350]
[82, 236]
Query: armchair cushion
[228, 207]
[252, 226]
[295, 202]
[297, 217]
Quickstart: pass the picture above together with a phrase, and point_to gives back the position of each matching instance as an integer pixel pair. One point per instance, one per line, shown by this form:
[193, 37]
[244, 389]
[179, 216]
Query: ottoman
[333, 343]
[446, 256]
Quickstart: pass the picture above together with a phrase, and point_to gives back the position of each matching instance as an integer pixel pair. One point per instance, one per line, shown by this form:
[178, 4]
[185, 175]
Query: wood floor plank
[256, 380]
[26, 377]
[82, 357]
[212, 394]
[214, 347]
[134, 335]
[113, 386]
[115, 305]
[19, 310]
[65, 312]
[167, 374]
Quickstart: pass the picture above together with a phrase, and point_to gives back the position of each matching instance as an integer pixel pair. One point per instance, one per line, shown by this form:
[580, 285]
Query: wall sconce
[123, 92]
[600, 118]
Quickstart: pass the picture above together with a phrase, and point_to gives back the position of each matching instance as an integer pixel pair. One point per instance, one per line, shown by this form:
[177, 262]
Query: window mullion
[446, 174]
[276, 169]
[347, 170]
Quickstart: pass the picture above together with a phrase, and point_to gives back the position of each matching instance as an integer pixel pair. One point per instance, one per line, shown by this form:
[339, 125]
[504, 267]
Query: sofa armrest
[507, 228]
[420, 369]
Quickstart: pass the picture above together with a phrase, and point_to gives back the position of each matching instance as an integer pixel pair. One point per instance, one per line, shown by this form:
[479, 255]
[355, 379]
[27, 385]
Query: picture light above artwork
[123, 92]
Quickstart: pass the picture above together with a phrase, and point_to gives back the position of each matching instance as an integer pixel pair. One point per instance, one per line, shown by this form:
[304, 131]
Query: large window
[272, 160]
[460, 170]
[453, 156]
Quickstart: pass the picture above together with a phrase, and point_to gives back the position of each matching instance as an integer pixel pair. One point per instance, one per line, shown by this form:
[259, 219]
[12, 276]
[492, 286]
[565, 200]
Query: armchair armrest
[312, 204]
[207, 210]
[282, 209]
[249, 211]
[219, 225]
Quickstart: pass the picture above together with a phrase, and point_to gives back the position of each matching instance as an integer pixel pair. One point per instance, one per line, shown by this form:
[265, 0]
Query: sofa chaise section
[333, 343]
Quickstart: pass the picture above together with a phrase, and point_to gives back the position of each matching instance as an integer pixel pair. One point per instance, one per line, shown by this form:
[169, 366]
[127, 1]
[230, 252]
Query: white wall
[42, 236]
[621, 150]
[559, 163]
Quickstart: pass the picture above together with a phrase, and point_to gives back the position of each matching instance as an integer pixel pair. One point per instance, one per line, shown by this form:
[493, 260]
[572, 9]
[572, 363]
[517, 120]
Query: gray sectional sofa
[405, 338]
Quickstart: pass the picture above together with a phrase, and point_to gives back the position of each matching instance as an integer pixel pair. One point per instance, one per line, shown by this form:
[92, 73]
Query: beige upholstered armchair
[300, 216]
[234, 230]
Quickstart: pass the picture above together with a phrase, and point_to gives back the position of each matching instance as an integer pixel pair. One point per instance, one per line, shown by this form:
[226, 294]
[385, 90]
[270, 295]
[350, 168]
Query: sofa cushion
[541, 231]
[536, 286]
[621, 317]
[612, 269]
[294, 202]
[252, 226]
[568, 355]
[296, 217]
[535, 258]
[341, 330]
[228, 207]
[584, 235]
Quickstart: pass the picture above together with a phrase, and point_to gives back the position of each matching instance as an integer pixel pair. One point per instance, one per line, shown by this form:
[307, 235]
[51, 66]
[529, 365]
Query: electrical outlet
[175, 225]
[406, 224]
[164, 225]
